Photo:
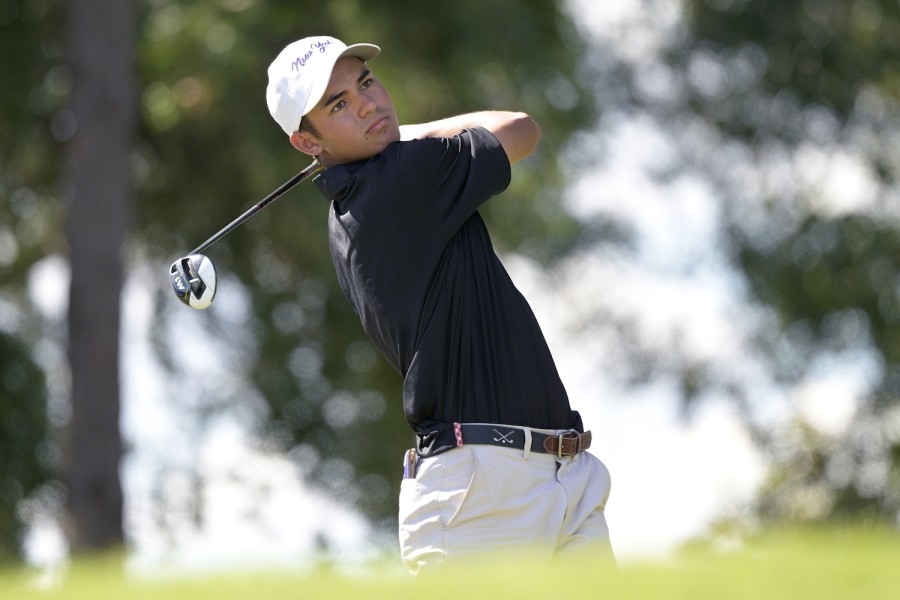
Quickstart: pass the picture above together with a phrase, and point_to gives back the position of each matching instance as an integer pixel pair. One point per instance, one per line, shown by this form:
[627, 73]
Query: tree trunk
[98, 190]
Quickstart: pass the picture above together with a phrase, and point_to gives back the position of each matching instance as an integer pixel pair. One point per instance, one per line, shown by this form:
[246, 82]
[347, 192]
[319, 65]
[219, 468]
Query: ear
[305, 143]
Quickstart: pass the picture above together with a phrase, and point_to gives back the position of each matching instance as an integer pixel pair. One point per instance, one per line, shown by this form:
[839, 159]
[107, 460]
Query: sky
[671, 476]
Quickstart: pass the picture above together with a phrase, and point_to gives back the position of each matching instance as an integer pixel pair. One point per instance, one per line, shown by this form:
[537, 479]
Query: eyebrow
[337, 96]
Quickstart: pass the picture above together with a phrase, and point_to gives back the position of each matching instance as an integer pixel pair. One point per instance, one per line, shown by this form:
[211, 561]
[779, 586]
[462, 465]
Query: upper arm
[449, 178]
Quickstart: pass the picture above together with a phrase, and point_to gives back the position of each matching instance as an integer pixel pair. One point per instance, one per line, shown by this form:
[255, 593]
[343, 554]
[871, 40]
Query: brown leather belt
[568, 443]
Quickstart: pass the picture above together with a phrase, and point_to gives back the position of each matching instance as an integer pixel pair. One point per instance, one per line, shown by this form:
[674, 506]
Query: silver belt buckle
[562, 436]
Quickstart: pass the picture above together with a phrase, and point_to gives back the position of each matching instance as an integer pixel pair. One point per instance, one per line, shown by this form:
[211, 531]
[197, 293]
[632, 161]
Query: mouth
[377, 125]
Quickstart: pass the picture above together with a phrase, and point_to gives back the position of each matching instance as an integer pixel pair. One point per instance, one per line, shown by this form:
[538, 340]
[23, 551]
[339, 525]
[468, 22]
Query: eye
[367, 83]
[339, 105]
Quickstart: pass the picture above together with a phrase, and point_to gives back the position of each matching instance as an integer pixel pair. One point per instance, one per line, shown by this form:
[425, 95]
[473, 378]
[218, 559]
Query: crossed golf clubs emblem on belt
[504, 437]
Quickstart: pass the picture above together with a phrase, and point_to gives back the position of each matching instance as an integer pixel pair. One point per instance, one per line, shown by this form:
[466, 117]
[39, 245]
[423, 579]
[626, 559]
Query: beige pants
[476, 499]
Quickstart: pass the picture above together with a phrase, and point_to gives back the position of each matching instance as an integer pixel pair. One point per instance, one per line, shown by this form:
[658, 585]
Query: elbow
[521, 136]
[533, 131]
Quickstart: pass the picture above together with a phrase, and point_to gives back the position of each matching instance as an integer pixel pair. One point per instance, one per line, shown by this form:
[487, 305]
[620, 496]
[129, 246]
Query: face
[355, 119]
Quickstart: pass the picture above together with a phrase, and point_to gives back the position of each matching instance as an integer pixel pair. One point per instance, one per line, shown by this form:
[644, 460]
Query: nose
[366, 105]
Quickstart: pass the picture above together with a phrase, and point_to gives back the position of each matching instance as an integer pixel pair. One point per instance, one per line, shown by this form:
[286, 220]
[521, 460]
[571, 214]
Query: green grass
[821, 564]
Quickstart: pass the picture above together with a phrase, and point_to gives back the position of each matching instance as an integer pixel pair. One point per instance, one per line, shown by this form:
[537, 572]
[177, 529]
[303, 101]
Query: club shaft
[284, 187]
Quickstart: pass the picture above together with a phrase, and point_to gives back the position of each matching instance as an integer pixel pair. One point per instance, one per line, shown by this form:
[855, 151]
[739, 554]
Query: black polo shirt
[415, 260]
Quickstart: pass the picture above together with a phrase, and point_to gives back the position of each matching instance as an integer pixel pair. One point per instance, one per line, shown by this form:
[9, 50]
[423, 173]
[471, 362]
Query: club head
[193, 280]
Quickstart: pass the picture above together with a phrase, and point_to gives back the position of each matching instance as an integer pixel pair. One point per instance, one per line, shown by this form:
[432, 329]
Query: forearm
[516, 131]
[452, 125]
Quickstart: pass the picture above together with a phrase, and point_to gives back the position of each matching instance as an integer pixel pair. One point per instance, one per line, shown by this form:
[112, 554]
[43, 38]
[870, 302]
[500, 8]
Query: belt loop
[457, 430]
[527, 449]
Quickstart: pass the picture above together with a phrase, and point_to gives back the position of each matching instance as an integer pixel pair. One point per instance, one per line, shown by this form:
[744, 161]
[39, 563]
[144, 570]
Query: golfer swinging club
[500, 461]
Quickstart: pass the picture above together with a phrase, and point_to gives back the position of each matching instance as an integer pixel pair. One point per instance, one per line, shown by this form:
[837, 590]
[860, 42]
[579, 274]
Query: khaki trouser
[475, 499]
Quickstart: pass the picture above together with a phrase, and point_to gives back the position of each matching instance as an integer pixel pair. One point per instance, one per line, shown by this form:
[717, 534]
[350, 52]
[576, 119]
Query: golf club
[193, 277]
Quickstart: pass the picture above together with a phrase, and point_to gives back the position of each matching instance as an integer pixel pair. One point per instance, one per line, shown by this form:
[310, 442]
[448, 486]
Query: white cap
[300, 73]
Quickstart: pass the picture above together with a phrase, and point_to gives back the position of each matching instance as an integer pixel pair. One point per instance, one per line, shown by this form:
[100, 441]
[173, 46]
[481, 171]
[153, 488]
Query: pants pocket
[431, 503]
[457, 475]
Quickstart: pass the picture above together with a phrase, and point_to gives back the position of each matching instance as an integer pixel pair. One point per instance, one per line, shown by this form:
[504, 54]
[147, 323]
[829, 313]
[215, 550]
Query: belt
[568, 443]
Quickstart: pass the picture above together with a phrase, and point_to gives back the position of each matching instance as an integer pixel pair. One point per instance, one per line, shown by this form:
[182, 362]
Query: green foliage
[836, 278]
[25, 456]
[818, 52]
[777, 83]
[32, 122]
[820, 479]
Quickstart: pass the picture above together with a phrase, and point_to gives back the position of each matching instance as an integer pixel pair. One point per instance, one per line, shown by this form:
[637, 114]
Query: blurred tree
[99, 198]
[791, 107]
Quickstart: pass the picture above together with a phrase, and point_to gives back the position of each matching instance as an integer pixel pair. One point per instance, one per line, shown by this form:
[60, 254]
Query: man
[500, 459]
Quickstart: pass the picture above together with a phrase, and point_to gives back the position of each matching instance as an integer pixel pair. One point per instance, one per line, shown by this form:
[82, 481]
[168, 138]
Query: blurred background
[709, 234]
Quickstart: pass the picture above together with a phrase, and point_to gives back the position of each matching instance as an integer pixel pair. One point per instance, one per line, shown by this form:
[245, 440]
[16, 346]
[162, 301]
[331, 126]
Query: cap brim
[363, 51]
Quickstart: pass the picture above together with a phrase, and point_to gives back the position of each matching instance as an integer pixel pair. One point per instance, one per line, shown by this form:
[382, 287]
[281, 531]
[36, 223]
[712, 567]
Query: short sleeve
[448, 179]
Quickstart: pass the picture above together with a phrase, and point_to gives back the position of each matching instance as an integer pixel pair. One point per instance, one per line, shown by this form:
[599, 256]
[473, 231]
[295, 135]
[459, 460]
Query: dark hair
[307, 126]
